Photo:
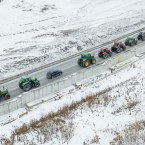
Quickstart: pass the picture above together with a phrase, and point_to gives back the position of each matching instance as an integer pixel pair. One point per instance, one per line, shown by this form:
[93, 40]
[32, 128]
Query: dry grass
[95, 140]
[133, 134]
[118, 140]
[60, 125]
[129, 106]
[54, 124]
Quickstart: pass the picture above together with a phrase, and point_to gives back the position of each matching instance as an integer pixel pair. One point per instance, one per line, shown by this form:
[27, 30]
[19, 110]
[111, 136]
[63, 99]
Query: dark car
[53, 73]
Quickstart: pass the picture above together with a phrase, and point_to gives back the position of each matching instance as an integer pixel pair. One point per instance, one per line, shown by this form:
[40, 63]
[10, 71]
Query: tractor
[86, 59]
[118, 47]
[141, 36]
[105, 53]
[26, 83]
[130, 41]
[4, 94]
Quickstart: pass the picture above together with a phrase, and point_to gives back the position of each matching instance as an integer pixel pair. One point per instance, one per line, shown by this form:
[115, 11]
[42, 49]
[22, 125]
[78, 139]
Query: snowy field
[35, 32]
[108, 112]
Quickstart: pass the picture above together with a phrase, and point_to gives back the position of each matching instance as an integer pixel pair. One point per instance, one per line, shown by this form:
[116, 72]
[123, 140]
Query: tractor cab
[130, 39]
[117, 44]
[85, 55]
[104, 50]
[24, 79]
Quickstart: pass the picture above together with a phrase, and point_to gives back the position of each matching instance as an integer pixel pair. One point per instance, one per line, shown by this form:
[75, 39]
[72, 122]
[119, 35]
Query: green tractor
[130, 41]
[86, 59]
[4, 94]
[26, 83]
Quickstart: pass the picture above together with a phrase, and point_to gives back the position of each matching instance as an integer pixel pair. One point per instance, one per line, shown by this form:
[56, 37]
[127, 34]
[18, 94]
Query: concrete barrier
[124, 64]
[55, 87]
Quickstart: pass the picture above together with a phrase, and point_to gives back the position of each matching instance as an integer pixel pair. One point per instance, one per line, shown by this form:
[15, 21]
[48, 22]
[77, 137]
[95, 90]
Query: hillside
[36, 32]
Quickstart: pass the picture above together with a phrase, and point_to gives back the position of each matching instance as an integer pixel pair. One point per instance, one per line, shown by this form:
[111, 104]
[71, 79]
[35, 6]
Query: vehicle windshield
[23, 79]
[116, 44]
[83, 56]
[130, 40]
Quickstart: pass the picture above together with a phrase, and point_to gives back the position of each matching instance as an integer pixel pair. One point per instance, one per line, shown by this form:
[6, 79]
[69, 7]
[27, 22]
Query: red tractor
[105, 53]
[118, 47]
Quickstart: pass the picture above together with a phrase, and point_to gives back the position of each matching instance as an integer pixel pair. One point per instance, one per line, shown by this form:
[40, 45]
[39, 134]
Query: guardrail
[66, 58]
[55, 87]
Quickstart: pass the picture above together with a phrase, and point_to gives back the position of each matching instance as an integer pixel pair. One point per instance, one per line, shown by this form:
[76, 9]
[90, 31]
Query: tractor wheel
[99, 55]
[7, 96]
[93, 61]
[131, 44]
[118, 50]
[27, 87]
[86, 63]
[105, 55]
[112, 48]
[126, 43]
[37, 84]
[124, 48]
[110, 54]
[143, 38]
[1, 98]
[79, 62]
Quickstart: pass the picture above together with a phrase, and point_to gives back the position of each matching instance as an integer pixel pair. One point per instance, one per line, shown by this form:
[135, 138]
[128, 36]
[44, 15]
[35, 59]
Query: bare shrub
[22, 130]
[131, 104]
[58, 124]
[95, 140]
[133, 134]
[118, 140]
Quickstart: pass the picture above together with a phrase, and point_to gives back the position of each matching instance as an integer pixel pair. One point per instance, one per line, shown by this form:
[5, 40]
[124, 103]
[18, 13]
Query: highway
[68, 67]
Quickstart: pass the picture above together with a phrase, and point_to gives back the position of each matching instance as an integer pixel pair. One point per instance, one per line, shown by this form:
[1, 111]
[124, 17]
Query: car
[118, 47]
[105, 52]
[53, 74]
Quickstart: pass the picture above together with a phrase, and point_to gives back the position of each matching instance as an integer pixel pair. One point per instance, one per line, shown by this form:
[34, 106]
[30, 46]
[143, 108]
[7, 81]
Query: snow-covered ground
[108, 112]
[34, 32]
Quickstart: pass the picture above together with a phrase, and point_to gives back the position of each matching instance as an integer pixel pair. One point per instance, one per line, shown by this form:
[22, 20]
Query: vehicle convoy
[86, 59]
[53, 73]
[141, 36]
[4, 94]
[26, 83]
[130, 41]
[105, 53]
[118, 47]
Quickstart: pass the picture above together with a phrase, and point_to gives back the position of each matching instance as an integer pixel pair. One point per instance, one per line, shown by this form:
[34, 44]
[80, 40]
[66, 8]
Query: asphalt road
[68, 67]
